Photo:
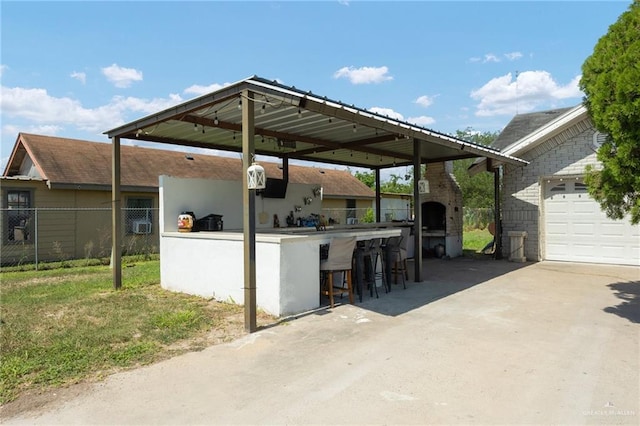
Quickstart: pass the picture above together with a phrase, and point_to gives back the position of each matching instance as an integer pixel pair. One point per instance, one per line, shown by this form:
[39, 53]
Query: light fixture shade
[256, 177]
[423, 186]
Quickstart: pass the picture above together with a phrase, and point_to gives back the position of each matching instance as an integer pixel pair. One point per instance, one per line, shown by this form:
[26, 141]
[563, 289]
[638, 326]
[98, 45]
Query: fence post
[36, 238]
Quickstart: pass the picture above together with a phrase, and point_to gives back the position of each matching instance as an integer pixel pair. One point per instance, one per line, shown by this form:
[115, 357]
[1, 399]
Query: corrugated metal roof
[299, 125]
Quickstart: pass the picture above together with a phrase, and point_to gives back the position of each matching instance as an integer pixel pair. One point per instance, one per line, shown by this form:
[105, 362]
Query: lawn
[64, 326]
[475, 240]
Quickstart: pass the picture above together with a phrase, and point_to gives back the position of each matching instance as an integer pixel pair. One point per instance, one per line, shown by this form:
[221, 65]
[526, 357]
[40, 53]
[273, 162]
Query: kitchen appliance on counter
[211, 222]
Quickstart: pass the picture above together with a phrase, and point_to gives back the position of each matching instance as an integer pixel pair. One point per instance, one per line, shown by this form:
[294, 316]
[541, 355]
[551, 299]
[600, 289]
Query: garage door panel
[583, 229]
[577, 230]
[612, 230]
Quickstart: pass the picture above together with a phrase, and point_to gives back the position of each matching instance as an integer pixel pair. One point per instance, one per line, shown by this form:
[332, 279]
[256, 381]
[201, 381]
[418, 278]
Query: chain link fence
[32, 236]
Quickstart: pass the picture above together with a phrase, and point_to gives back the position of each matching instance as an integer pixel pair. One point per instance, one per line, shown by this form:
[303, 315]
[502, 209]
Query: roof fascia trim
[550, 129]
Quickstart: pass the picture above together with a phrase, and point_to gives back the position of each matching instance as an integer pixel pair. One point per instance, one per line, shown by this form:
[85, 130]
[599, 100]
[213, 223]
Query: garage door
[577, 230]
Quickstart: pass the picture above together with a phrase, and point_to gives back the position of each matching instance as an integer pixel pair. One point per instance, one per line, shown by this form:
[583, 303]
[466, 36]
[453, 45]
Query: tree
[477, 190]
[611, 84]
[368, 178]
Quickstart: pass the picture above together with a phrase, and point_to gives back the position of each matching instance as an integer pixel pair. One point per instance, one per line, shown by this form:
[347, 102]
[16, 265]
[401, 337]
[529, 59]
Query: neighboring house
[548, 198]
[71, 180]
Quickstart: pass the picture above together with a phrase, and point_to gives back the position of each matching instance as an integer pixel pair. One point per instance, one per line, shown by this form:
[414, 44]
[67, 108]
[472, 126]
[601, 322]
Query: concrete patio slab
[478, 342]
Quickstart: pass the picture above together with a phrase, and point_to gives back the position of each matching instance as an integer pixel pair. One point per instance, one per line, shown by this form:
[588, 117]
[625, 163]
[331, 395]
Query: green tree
[398, 185]
[477, 190]
[368, 178]
[611, 84]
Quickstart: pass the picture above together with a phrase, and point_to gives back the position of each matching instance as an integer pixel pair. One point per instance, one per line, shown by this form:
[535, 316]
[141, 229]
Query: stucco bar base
[211, 265]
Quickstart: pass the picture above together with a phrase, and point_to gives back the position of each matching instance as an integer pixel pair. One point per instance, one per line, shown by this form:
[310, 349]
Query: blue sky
[76, 69]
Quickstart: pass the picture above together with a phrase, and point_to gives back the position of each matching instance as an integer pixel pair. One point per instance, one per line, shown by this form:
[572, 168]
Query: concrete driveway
[479, 342]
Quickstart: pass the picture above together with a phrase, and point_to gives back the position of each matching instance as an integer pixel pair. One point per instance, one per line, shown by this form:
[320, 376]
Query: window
[559, 188]
[580, 187]
[139, 216]
[351, 211]
[19, 215]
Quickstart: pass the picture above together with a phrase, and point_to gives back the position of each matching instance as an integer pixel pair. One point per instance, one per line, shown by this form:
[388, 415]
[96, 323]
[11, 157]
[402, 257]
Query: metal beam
[497, 237]
[378, 194]
[417, 212]
[116, 215]
[249, 213]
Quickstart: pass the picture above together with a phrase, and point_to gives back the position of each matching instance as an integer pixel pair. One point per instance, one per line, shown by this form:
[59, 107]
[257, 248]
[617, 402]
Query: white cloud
[490, 57]
[425, 101]
[422, 120]
[387, 112]
[364, 75]
[198, 90]
[531, 89]
[121, 77]
[80, 76]
[512, 56]
[3, 68]
[45, 129]
[41, 109]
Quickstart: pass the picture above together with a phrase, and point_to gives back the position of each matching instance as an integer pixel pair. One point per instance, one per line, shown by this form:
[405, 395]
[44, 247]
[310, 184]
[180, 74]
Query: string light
[264, 107]
[240, 103]
[203, 129]
[215, 119]
[195, 127]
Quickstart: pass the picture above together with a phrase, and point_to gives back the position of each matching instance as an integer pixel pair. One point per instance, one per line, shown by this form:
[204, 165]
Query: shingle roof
[523, 124]
[64, 161]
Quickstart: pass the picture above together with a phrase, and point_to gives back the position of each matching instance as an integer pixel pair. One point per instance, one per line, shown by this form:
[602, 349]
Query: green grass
[63, 326]
[475, 240]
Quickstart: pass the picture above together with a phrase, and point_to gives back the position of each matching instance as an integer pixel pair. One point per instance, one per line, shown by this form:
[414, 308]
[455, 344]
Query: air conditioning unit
[141, 227]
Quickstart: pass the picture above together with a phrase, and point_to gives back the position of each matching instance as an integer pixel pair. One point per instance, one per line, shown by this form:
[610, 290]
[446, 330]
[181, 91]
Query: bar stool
[339, 259]
[374, 251]
[395, 262]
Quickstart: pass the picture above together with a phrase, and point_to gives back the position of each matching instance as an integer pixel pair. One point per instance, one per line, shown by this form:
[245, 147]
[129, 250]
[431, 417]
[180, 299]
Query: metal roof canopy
[285, 122]
[299, 125]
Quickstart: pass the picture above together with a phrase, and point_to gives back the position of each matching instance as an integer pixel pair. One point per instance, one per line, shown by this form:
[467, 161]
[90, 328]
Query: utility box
[516, 246]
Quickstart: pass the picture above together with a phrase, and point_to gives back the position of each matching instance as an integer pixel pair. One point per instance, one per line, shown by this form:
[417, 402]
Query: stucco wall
[565, 155]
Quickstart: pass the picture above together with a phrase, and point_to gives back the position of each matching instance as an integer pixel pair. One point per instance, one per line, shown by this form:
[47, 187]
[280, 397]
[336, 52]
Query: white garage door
[577, 230]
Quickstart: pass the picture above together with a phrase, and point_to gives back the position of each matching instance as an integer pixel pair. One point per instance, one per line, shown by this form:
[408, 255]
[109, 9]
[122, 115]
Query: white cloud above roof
[42, 109]
[198, 90]
[505, 95]
[364, 75]
[387, 112]
[422, 120]
[121, 77]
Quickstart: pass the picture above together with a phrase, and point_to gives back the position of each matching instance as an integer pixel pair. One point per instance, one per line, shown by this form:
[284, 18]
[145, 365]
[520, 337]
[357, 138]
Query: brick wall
[444, 189]
[566, 154]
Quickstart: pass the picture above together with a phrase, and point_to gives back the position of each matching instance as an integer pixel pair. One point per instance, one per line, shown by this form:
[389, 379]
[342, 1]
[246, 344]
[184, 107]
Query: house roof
[527, 131]
[299, 125]
[523, 124]
[79, 164]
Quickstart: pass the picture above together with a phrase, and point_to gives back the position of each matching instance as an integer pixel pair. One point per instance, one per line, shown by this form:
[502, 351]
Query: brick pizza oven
[441, 212]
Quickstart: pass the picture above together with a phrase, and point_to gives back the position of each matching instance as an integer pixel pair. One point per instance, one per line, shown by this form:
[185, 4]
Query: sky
[79, 68]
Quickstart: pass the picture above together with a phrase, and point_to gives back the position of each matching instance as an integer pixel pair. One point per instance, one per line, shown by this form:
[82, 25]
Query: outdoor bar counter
[211, 264]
